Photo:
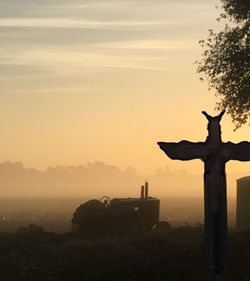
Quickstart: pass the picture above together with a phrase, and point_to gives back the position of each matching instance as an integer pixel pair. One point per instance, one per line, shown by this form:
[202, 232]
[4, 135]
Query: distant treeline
[96, 179]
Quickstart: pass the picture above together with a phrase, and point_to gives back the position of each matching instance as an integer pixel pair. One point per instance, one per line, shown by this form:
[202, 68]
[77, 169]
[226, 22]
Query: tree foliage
[226, 60]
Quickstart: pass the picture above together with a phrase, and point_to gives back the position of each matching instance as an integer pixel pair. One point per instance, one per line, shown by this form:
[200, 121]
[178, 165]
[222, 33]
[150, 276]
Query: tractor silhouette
[121, 216]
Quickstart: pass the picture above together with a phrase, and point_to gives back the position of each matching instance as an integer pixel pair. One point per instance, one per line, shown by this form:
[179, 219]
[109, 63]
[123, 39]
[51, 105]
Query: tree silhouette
[226, 60]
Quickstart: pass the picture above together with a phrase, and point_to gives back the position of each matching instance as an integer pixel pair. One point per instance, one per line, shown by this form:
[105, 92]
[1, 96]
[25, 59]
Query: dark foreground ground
[174, 254]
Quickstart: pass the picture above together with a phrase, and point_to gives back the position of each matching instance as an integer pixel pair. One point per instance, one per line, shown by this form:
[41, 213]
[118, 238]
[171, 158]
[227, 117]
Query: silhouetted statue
[215, 154]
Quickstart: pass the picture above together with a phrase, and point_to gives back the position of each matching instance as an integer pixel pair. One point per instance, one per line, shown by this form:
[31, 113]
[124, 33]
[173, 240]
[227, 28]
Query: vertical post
[142, 191]
[215, 228]
[146, 189]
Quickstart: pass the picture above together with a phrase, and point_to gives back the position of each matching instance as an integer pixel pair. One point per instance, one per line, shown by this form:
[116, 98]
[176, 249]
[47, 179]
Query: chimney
[146, 189]
[142, 191]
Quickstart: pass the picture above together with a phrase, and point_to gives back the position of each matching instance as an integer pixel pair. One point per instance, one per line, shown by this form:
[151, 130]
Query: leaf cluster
[237, 9]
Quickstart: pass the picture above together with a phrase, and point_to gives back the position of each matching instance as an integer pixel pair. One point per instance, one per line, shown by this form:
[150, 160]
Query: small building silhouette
[243, 203]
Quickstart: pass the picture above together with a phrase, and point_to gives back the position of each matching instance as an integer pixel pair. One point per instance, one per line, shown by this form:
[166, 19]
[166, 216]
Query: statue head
[214, 131]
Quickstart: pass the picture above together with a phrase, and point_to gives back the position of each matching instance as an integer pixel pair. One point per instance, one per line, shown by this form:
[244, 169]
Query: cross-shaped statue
[214, 153]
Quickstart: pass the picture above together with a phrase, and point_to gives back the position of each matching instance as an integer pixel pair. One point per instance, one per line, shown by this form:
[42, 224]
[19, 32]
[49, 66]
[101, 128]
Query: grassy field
[173, 254]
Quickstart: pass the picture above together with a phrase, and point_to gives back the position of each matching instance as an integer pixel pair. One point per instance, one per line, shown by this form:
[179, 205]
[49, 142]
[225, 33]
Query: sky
[93, 80]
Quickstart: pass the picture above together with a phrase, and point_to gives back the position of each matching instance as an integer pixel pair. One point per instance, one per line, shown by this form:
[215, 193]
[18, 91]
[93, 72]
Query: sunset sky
[104, 80]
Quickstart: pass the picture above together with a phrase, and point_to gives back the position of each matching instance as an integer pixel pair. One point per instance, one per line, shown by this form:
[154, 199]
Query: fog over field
[55, 214]
[98, 179]
[50, 197]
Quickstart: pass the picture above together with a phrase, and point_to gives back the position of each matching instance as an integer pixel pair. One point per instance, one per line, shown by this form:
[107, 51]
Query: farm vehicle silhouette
[121, 216]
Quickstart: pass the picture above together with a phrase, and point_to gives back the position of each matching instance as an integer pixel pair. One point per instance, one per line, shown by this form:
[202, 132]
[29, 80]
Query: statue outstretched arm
[237, 151]
[184, 150]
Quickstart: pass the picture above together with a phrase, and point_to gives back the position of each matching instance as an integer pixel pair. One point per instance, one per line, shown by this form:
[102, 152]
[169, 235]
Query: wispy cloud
[79, 23]
[15, 69]
[153, 45]
[138, 55]
[75, 38]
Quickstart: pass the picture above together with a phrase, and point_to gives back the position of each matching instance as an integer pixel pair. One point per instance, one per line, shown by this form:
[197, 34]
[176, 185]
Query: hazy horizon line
[96, 162]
